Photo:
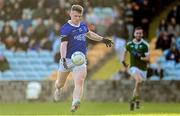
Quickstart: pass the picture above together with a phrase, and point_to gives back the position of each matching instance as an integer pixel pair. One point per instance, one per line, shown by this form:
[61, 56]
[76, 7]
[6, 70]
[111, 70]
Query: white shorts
[134, 70]
[72, 68]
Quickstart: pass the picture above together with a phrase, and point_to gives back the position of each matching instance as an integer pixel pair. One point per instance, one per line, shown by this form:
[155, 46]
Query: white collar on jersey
[136, 42]
[69, 21]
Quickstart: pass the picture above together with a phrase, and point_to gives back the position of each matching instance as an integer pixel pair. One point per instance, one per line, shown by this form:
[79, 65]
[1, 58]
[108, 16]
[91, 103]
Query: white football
[78, 58]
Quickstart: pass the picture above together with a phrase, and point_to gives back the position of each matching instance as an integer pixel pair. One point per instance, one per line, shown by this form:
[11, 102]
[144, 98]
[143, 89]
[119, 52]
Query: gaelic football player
[139, 58]
[73, 38]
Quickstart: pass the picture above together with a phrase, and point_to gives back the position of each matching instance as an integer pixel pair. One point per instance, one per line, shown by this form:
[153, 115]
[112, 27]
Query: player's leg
[59, 84]
[61, 79]
[79, 76]
[137, 89]
[135, 73]
[143, 77]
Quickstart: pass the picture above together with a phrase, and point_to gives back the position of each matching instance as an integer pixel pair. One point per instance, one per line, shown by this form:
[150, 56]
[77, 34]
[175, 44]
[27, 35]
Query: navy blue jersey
[76, 37]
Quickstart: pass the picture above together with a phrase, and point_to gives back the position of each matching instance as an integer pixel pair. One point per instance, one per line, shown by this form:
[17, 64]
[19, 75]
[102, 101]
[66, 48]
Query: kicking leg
[79, 77]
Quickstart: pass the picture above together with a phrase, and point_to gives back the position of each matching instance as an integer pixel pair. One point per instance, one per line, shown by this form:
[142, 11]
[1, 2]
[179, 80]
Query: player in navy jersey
[73, 38]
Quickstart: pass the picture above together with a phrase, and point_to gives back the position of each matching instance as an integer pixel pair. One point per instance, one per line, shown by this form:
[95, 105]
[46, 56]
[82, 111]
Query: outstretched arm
[93, 36]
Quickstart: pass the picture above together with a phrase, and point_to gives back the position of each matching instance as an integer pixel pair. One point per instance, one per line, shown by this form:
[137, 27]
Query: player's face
[138, 34]
[75, 17]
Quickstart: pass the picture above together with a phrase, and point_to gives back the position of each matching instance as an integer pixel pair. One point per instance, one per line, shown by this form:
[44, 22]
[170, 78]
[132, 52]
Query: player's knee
[59, 85]
[80, 82]
[138, 79]
[139, 82]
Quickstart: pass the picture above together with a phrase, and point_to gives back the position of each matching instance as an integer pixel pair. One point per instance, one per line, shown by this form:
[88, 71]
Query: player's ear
[70, 13]
[135, 33]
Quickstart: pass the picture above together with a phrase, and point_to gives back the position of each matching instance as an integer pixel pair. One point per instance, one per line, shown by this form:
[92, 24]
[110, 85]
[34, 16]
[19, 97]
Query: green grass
[87, 108]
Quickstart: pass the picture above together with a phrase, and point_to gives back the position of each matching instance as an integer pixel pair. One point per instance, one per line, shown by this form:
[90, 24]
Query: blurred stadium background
[29, 55]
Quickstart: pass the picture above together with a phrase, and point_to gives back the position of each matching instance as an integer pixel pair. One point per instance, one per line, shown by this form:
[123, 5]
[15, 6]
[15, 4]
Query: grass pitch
[89, 108]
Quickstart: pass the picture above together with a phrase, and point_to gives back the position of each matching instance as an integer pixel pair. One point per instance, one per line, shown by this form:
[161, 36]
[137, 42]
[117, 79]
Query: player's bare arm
[93, 36]
[63, 49]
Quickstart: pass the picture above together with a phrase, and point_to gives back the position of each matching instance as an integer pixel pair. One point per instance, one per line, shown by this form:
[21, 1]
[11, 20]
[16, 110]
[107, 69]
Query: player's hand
[64, 62]
[125, 64]
[67, 63]
[108, 42]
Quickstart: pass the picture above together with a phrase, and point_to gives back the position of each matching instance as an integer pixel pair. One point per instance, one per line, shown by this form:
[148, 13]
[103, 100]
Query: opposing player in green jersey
[139, 58]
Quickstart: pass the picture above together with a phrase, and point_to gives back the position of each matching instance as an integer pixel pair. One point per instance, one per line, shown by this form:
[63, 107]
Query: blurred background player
[73, 38]
[4, 63]
[119, 32]
[139, 58]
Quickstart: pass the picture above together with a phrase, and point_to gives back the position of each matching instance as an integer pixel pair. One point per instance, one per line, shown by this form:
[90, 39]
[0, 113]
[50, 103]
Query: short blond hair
[77, 8]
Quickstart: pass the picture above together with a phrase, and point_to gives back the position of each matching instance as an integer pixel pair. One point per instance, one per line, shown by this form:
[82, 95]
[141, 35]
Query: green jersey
[141, 47]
